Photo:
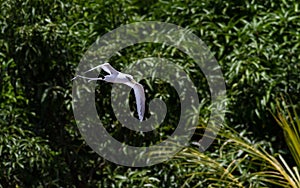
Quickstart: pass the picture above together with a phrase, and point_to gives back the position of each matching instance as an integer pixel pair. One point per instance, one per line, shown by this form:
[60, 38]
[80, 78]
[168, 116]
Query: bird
[115, 76]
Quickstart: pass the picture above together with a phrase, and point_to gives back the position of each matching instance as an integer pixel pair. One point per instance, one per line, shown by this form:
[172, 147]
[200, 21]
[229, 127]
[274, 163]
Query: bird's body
[121, 78]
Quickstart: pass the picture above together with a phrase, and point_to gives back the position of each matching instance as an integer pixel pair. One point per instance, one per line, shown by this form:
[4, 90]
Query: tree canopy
[255, 42]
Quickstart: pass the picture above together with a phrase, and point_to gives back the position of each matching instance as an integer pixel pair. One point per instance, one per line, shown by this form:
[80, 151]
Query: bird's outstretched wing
[89, 78]
[140, 100]
[106, 67]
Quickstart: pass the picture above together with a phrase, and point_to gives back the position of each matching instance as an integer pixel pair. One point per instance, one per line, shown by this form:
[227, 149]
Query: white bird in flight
[118, 77]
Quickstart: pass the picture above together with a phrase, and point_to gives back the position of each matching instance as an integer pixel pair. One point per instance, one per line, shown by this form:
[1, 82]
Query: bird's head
[130, 78]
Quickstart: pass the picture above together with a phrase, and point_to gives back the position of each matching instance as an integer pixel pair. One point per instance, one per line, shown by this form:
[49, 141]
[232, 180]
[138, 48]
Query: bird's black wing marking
[140, 99]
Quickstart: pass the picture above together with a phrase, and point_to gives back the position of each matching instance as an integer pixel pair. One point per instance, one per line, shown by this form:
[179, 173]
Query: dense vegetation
[255, 42]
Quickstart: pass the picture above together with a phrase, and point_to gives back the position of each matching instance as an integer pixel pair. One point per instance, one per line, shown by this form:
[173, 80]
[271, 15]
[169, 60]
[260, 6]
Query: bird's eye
[129, 78]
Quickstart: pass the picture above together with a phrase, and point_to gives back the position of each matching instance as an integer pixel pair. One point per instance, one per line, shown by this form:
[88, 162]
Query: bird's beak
[74, 78]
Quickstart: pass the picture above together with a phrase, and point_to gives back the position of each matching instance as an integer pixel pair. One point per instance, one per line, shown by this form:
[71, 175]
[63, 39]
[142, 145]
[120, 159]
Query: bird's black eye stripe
[128, 78]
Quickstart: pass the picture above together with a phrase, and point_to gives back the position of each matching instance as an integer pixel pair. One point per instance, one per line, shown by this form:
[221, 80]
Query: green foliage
[257, 44]
[26, 160]
[289, 121]
[41, 42]
[238, 162]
